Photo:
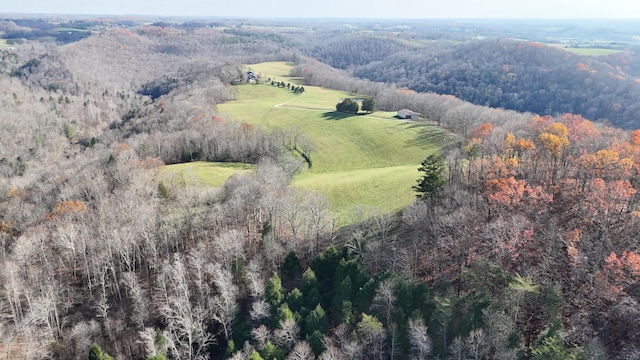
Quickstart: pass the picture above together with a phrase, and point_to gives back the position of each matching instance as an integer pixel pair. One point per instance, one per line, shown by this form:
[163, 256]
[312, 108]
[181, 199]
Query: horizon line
[239, 17]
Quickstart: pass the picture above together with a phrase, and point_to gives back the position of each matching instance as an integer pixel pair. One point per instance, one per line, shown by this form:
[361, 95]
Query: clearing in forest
[204, 172]
[357, 159]
[591, 51]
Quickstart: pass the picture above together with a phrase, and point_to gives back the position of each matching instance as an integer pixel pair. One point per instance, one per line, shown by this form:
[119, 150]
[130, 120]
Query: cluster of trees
[551, 200]
[348, 106]
[334, 308]
[294, 88]
[354, 106]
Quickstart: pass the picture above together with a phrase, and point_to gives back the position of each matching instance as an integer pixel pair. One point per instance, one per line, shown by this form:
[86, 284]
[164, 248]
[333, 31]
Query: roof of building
[406, 112]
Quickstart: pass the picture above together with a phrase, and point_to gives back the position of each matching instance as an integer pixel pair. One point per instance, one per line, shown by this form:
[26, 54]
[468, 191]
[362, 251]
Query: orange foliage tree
[553, 143]
[619, 275]
[509, 193]
[605, 201]
[481, 131]
[580, 129]
[67, 207]
[605, 164]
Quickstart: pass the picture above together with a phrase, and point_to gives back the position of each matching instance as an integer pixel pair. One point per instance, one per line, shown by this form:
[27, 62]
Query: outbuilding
[408, 114]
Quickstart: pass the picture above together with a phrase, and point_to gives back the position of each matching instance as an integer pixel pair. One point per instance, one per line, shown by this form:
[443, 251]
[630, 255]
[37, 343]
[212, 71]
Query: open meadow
[591, 51]
[206, 173]
[357, 159]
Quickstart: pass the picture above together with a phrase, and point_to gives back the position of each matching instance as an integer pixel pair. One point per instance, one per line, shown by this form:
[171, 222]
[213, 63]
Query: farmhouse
[251, 77]
[407, 114]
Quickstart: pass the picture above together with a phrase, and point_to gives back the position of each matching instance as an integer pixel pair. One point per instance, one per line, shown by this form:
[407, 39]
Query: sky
[407, 9]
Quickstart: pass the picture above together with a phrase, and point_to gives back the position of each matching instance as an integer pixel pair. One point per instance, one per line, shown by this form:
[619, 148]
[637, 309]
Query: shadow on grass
[335, 115]
[428, 134]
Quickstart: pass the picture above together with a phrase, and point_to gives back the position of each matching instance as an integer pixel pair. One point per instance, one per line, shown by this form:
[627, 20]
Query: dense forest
[511, 74]
[521, 244]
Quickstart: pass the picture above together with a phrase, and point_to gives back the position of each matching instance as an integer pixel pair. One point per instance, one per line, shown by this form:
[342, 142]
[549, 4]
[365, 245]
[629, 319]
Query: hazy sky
[338, 8]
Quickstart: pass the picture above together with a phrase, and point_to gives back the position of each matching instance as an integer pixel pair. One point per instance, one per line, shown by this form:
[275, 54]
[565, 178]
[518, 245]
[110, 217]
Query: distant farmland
[591, 51]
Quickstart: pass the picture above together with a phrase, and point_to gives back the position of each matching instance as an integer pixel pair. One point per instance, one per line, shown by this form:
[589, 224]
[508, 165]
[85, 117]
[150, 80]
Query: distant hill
[517, 75]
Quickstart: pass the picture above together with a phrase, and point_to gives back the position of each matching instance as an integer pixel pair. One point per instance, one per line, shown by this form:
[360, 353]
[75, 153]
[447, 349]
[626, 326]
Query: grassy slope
[207, 173]
[591, 51]
[357, 160]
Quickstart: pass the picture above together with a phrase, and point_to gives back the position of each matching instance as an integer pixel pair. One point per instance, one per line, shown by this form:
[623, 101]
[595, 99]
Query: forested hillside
[521, 243]
[518, 75]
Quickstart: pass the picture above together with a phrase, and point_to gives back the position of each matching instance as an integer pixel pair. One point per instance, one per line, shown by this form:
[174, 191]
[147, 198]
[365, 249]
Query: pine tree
[432, 181]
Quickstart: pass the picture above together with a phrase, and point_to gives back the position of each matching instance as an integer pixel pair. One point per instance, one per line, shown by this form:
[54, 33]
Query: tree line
[500, 73]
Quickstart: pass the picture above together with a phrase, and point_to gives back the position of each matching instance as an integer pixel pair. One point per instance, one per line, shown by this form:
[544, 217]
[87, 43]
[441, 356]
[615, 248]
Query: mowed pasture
[591, 51]
[358, 159]
[206, 173]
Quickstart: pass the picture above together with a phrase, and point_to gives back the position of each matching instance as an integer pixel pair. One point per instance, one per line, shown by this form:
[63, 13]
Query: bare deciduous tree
[186, 322]
[287, 333]
[302, 351]
[421, 345]
[230, 247]
[260, 309]
[332, 353]
[139, 309]
[224, 305]
[261, 335]
[254, 279]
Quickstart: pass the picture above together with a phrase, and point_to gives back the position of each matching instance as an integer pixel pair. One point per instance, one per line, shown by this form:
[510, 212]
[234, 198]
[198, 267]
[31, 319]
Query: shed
[407, 114]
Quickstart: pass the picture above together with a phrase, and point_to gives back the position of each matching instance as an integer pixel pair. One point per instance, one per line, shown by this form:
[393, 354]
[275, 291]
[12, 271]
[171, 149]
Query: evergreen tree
[290, 268]
[369, 105]
[309, 281]
[273, 290]
[295, 300]
[348, 106]
[163, 192]
[271, 352]
[432, 181]
[315, 341]
[317, 321]
[96, 353]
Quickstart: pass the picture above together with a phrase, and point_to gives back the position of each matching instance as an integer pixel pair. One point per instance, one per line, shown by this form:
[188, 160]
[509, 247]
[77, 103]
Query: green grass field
[3, 44]
[358, 160]
[206, 173]
[386, 188]
[342, 142]
[591, 51]
[281, 69]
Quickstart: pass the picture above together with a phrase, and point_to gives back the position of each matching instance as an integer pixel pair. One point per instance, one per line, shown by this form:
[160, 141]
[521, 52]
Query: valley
[240, 188]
